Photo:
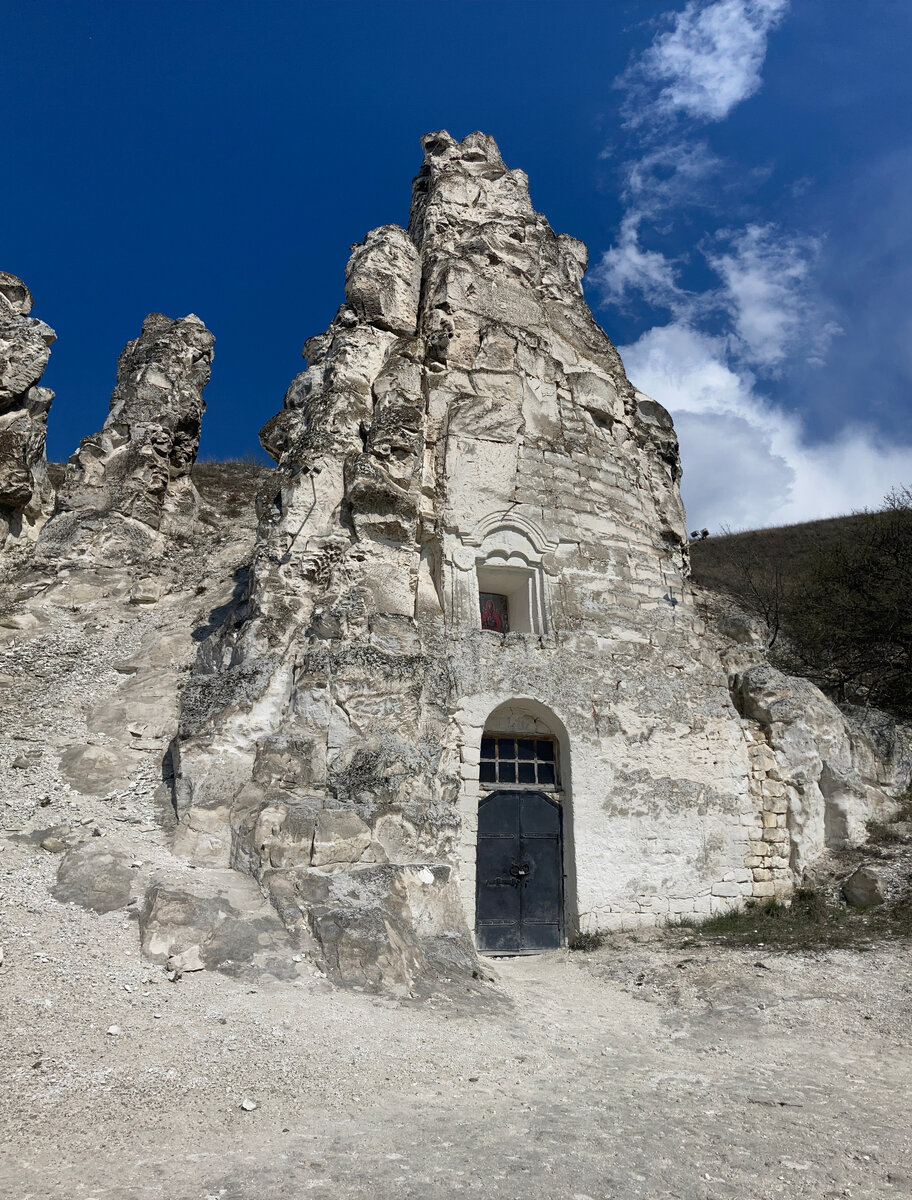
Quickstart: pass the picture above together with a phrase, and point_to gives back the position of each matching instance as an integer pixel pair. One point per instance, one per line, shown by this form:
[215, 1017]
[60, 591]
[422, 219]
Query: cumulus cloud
[627, 269]
[707, 61]
[748, 463]
[767, 295]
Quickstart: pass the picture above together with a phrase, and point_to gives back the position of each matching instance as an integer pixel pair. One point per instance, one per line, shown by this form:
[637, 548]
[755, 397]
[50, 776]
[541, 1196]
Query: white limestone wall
[659, 815]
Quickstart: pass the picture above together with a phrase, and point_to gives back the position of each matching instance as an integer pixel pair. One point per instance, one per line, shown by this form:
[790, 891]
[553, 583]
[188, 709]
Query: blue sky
[740, 170]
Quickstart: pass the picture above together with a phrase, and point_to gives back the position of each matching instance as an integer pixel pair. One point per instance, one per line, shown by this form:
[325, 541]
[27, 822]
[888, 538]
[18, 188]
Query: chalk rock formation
[464, 426]
[129, 485]
[25, 493]
[825, 772]
[469, 595]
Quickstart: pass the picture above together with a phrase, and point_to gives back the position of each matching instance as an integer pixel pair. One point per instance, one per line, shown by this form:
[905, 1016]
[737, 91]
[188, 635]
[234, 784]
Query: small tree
[757, 583]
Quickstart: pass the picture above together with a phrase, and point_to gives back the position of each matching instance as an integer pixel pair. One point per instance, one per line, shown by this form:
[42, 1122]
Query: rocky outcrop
[826, 773]
[463, 442]
[25, 493]
[463, 414]
[128, 487]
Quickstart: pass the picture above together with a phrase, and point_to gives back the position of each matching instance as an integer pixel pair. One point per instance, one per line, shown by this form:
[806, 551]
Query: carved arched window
[510, 574]
[498, 576]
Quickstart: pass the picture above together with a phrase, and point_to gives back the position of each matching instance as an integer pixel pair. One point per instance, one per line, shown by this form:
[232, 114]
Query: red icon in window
[494, 612]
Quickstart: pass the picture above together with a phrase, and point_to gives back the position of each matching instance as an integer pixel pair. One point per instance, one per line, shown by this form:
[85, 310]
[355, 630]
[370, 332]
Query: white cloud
[768, 291]
[706, 63]
[626, 268]
[747, 463]
[767, 294]
[670, 175]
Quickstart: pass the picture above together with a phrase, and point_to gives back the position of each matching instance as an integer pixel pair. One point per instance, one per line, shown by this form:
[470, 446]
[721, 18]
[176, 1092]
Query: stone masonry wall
[769, 858]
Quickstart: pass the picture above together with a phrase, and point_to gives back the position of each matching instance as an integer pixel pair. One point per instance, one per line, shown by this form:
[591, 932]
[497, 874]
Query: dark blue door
[519, 888]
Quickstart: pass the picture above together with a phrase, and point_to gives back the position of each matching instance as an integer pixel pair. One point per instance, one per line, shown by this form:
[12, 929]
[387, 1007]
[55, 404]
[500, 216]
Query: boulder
[382, 928]
[864, 888]
[95, 875]
[217, 920]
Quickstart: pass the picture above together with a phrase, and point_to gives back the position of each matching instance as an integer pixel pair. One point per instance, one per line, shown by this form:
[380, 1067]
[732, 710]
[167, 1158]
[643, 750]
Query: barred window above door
[521, 761]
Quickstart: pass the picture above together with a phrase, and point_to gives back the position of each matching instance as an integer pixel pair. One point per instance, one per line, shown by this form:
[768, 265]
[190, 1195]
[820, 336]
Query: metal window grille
[526, 762]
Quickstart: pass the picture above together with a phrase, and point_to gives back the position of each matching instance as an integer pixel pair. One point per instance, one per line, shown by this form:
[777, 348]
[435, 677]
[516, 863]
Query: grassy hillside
[834, 596]
[717, 561]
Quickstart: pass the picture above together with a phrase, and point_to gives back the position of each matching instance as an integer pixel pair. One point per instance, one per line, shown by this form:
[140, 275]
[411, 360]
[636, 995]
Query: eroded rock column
[26, 497]
[128, 487]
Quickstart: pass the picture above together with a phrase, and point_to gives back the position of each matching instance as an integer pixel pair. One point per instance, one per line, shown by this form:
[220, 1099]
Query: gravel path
[643, 1069]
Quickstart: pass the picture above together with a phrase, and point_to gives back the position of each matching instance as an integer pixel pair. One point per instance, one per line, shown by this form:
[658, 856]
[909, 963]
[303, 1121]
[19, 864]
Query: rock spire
[25, 342]
[463, 412]
[130, 483]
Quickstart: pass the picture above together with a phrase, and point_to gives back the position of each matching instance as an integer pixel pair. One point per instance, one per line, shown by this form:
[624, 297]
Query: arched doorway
[523, 860]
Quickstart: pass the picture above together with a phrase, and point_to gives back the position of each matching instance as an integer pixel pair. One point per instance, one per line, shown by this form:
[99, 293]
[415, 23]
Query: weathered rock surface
[463, 428]
[219, 922]
[25, 493]
[831, 772]
[128, 487]
[864, 888]
[95, 874]
[463, 425]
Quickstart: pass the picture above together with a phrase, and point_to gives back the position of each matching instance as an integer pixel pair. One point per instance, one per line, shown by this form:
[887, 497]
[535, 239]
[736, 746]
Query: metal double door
[519, 881]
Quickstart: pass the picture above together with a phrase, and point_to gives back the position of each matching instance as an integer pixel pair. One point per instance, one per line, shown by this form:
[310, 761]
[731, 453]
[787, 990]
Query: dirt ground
[647, 1068]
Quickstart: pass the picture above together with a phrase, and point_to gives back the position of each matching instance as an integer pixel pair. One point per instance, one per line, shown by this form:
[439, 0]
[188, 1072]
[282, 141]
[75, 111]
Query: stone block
[340, 836]
[762, 875]
[726, 889]
[764, 890]
[774, 835]
[772, 789]
[147, 591]
[762, 756]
